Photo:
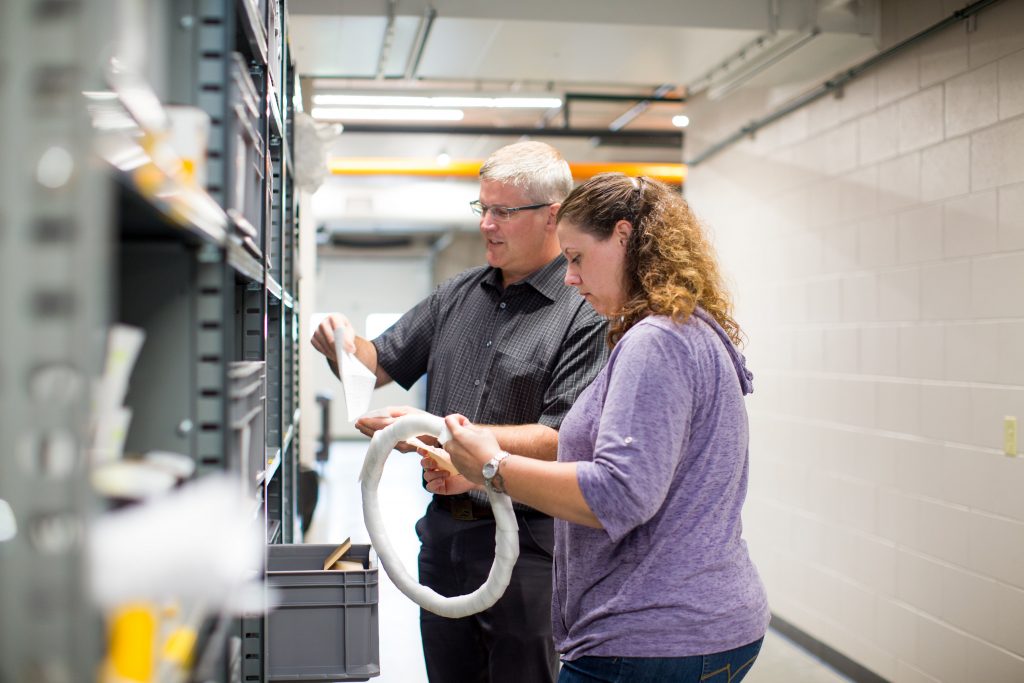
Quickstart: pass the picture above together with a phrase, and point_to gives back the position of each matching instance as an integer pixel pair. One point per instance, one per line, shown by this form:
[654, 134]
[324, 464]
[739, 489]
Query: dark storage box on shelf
[247, 390]
[246, 157]
[324, 627]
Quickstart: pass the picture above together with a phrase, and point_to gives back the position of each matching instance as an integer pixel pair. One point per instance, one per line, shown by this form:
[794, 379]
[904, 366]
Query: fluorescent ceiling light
[448, 102]
[468, 102]
[371, 101]
[681, 121]
[349, 114]
[528, 102]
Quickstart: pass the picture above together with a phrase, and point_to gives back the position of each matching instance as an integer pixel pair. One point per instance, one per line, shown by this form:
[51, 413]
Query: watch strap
[496, 482]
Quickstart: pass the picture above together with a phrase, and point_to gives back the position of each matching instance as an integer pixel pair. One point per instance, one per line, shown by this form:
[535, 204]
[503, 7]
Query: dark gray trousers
[508, 643]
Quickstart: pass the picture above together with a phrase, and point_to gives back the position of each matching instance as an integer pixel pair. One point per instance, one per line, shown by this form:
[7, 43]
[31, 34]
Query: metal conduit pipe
[639, 108]
[777, 53]
[412, 65]
[385, 46]
[644, 100]
[838, 81]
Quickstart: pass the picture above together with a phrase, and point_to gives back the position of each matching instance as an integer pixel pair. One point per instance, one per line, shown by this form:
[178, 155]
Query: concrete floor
[339, 515]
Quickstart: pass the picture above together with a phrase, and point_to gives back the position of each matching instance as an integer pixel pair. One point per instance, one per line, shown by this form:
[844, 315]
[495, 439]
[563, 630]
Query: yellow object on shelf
[132, 637]
[180, 646]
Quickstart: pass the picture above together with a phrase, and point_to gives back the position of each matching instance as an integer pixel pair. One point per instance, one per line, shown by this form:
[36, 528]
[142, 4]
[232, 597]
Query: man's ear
[552, 214]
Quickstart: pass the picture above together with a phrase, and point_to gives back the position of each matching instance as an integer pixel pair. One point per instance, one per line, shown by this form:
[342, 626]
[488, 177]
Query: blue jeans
[723, 667]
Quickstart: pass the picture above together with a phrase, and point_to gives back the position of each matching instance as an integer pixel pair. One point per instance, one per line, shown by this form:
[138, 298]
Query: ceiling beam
[603, 136]
[470, 168]
[839, 16]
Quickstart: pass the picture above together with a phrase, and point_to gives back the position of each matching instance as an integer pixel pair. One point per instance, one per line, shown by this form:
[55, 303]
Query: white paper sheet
[8, 526]
[357, 380]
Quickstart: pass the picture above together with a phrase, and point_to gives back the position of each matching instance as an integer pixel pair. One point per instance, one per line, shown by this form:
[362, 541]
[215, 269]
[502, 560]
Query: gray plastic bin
[246, 393]
[325, 626]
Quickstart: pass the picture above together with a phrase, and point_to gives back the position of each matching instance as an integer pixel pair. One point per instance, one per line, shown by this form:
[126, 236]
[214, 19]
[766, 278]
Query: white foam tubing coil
[506, 535]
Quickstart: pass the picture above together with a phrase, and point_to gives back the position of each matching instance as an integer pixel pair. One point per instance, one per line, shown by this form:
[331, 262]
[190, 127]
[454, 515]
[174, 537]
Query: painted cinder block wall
[876, 247]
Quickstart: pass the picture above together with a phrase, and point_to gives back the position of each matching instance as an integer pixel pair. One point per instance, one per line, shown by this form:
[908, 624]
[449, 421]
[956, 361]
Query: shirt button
[502, 305]
[476, 383]
[629, 439]
[488, 343]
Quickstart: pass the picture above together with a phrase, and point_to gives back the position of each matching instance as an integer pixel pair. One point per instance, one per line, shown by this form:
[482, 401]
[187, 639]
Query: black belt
[465, 509]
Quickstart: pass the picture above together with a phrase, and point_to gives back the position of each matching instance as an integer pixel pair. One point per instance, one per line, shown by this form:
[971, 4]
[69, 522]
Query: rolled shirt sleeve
[403, 350]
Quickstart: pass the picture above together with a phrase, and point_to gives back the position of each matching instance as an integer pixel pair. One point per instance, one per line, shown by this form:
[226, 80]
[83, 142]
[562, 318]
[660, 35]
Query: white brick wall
[876, 243]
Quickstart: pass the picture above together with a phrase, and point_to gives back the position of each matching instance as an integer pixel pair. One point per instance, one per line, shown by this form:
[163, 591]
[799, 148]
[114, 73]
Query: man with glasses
[510, 346]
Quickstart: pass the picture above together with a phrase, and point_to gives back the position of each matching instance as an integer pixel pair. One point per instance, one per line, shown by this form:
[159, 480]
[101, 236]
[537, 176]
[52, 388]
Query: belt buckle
[462, 509]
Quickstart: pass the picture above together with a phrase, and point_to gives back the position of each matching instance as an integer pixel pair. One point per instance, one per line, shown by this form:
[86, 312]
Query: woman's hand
[470, 447]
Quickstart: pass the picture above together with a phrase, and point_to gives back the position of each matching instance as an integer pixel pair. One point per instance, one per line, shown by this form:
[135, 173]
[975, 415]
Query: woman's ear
[622, 230]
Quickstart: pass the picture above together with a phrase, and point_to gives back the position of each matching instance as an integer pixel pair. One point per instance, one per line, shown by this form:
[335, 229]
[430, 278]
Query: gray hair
[537, 168]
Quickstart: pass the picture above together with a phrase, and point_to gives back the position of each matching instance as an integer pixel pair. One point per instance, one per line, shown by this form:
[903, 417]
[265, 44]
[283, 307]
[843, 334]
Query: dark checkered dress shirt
[518, 355]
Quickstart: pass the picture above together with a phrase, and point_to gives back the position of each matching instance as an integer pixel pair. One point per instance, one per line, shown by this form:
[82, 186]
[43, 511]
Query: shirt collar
[549, 280]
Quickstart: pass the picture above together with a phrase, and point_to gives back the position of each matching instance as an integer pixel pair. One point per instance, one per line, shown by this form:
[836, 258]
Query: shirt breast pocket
[517, 388]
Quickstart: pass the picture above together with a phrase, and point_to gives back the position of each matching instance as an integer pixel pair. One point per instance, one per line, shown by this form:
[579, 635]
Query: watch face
[489, 470]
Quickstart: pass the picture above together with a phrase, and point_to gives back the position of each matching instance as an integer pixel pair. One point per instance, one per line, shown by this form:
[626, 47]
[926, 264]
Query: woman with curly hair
[652, 581]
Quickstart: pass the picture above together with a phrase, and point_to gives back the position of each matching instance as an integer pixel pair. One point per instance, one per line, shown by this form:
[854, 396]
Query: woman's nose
[571, 278]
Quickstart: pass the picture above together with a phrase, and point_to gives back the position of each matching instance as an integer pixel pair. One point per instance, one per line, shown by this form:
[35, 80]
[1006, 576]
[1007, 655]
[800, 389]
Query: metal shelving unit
[53, 226]
[88, 239]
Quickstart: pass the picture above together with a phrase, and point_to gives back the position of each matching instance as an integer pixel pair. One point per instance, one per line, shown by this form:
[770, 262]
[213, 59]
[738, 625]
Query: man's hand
[377, 420]
[323, 338]
[443, 482]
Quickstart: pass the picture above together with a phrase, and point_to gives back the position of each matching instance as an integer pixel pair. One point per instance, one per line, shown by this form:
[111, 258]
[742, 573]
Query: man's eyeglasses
[502, 213]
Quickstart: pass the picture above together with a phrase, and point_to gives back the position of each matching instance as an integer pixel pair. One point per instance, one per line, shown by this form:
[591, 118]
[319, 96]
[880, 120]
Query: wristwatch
[492, 477]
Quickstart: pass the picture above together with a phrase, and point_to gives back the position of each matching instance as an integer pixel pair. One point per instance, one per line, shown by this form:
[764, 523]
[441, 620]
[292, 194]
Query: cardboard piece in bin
[337, 554]
[347, 566]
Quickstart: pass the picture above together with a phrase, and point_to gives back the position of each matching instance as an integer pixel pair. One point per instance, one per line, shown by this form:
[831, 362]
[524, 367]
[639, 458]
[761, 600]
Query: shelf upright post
[55, 260]
[213, 348]
[276, 312]
[295, 253]
[215, 330]
[201, 37]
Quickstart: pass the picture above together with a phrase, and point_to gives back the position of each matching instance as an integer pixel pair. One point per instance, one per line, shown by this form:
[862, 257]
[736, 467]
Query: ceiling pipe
[412, 65]
[385, 45]
[674, 173]
[639, 108]
[765, 60]
[746, 53]
[602, 97]
[837, 82]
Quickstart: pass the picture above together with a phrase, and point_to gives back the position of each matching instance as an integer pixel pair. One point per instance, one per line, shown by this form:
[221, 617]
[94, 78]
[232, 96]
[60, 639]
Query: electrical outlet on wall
[1010, 435]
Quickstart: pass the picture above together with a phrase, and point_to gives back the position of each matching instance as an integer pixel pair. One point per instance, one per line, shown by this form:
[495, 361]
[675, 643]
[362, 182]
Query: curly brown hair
[671, 266]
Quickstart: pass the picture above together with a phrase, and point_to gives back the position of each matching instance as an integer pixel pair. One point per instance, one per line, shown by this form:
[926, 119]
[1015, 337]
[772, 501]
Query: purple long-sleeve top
[661, 442]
